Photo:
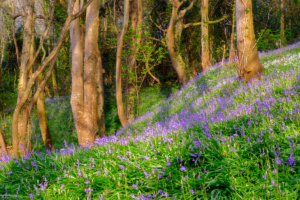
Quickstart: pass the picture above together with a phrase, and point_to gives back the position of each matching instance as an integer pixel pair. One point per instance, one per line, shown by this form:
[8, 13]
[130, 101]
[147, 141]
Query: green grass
[216, 138]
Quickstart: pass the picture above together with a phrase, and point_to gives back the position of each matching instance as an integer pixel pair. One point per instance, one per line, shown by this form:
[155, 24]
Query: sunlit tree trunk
[121, 113]
[204, 35]
[3, 144]
[90, 65]
[172, 41]
[84, 84]
[40, 105]
[249, 65]
[77, 73]
[136, 20]
[27, 48]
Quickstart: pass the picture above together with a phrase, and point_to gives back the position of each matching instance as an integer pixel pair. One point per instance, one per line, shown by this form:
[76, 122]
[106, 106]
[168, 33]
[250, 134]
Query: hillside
[215, 138]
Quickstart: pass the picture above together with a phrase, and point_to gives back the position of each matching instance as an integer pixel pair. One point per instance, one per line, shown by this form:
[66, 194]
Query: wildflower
[264, 177]
[135, 186]
[278, 161]
[31, 195]
[87, 182]
[192, 191]
[168, 164]
[183, 168]
[122, 167]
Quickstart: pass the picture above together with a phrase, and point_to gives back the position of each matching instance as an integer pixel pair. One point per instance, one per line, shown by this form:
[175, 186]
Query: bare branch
[210, 22]
[42, 39]
[152, 38]
[157, 25]
[12, 15]
[82, 10]
[182, 13]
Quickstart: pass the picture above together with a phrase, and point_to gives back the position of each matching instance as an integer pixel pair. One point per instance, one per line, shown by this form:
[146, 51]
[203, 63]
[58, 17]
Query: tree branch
[182, 13]
[210, 22]
[12, 15]
[152, 38]
[82, 10]
[157, 25]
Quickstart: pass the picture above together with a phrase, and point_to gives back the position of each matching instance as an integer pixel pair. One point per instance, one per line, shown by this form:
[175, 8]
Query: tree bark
[27, 53]
[100, 102]
[3, 143]
[249, 65]
[91, 56]
[204, 35]
[136, 20]
[121, 113]
[171, 41]
[40, 105]
[28, 89]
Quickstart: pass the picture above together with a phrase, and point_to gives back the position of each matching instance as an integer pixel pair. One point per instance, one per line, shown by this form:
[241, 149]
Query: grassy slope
[216, 138]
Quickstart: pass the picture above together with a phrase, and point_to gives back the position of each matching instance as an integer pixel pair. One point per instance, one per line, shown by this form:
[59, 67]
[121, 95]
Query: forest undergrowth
[216, 138]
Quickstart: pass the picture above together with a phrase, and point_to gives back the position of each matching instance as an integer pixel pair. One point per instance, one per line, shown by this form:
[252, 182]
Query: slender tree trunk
[249, 65]
[282, 23]
[3, 144]
[232, 46]
[100, 102]
[53, 73]
[40, 105]
[136, 20]
[28, 33]
[177, 61]
[121, 113]
[204, 35]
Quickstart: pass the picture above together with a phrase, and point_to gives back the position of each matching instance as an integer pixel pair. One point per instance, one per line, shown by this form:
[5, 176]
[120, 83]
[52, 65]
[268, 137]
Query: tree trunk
[282, 42]
[77, 73]
[40, 105]
[27, 53]
[204, 35]
[100, 102]
[53, 73]
[84, 91]
[232, 55]
[121, 113]
[249, 65]
[90, 65]
[136, 20]
[177, 61]
[3, 144]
